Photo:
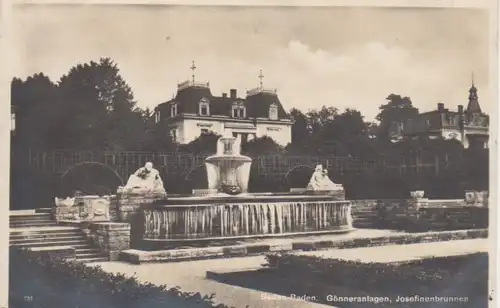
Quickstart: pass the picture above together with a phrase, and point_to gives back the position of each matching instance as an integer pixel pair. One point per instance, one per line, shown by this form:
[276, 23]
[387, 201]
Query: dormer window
[238, 110]
[204, 107]
[173, 110]
[273, 112]
[157, 117]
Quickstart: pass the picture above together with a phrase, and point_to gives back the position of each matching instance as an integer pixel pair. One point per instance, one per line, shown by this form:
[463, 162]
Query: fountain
[228, 171]
[226, 210]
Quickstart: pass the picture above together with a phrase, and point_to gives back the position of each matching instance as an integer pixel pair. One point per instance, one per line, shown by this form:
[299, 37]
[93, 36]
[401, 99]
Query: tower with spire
[470, 126]
[473, 106]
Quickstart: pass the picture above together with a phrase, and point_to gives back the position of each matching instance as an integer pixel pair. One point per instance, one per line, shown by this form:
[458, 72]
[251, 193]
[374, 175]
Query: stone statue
[327, 184]
[145, 180]
[316, 179]
[320, 181]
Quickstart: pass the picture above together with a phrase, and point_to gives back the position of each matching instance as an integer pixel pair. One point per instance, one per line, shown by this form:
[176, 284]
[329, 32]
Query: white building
[194, 110]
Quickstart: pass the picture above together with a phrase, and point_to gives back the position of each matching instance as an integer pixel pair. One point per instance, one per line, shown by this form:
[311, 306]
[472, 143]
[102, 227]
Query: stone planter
[476, 198]
[94, 208]
[82, 208]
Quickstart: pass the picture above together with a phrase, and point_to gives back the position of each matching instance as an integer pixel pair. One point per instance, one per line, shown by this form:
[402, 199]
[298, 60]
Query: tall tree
[206, 143]
[351, 131]
[99, 108]
[301, 133]
[261, 146]
[397, 109]
[35, 104]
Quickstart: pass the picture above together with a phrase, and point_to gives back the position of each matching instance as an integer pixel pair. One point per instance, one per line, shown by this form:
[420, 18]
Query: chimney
[460, 109]
[224, 94]
[440, 107]
[232, 93]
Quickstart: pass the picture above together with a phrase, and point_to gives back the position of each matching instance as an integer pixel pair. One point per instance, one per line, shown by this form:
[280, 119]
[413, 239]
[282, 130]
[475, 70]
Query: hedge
[465, 275]
[46, 281]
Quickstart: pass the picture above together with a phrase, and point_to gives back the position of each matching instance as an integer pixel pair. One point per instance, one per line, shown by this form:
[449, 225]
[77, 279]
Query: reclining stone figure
[145, 180]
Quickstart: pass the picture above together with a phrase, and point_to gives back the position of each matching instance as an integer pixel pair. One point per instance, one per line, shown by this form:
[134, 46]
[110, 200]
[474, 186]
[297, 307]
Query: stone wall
[418, 214]
[111, 237]
[127, 209]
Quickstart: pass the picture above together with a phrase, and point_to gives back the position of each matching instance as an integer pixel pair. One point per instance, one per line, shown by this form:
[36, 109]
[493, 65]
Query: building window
[173, 134]
[273, 112]
[173, 110]
[204, 131]
[204, 107]
[157, 117]
[239, 110]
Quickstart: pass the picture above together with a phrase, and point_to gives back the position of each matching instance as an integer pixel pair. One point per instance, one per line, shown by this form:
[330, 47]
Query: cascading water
[224, 220]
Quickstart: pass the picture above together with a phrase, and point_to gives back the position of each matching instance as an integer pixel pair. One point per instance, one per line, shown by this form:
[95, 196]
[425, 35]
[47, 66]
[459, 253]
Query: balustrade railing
[59, 161]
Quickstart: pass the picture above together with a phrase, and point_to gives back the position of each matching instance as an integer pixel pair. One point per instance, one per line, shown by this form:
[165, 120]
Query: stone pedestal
[338, 194]
[111, 237]
[204, 192]
[128, 210]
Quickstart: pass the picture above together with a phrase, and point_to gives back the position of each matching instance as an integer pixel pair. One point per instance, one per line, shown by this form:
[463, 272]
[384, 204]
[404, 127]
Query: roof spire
[473, 105]
[193, 68]
[261, 77]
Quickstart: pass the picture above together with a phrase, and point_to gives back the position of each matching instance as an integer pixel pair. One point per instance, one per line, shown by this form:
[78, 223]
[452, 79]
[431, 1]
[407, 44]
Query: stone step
[30, 219]
[34, 221]
[368, 214]
[43, 229]
[29, 216]
[89, 255]
[44, 210]
[47, 240]
[79, 243]
[363, 226]
[88, 250]
[364, 219]
[32, 224]
[43, 235]
[93, 260]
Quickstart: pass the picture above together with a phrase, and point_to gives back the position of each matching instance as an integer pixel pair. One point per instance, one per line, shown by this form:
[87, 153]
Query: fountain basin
[189, 219]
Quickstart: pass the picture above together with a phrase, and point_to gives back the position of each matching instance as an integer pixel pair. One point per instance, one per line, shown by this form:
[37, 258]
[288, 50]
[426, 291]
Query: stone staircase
[32, 229]
[365, 215]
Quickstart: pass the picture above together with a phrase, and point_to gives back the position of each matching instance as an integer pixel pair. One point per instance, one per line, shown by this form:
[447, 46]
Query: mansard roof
[257, 102]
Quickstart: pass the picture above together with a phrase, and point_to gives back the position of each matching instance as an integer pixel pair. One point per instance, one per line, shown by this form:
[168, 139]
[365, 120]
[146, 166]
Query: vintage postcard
[311, 155]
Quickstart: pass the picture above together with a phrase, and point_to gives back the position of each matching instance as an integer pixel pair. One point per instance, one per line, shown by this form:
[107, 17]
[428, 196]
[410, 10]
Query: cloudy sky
[342, 57]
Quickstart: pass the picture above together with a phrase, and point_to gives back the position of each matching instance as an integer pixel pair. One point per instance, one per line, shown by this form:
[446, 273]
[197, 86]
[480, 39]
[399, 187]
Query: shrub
[466, 275]
[54, 282]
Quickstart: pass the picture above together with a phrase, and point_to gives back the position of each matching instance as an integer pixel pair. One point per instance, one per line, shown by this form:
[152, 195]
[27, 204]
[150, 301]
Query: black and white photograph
[246, 156]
